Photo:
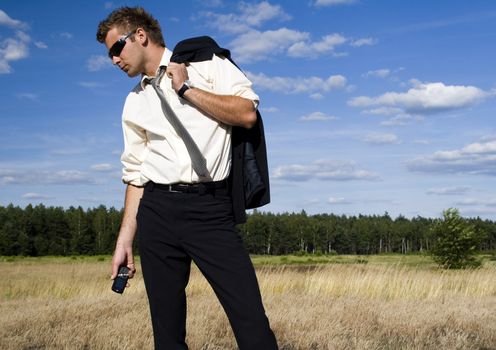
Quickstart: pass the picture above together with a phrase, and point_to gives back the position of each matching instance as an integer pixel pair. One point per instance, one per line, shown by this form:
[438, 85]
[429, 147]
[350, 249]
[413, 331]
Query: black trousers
[175, 228]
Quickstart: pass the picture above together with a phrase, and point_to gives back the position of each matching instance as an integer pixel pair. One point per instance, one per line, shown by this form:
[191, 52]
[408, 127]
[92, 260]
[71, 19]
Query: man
[178, 215]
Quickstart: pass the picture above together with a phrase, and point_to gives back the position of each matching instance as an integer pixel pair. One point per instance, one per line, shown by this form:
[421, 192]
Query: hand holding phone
[120, 281]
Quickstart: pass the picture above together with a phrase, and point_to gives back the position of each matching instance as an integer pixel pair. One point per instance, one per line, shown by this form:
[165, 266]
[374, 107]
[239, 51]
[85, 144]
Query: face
[130, 58]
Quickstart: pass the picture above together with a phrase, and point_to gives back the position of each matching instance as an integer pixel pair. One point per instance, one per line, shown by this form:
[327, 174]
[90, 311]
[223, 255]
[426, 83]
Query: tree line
[40, 230]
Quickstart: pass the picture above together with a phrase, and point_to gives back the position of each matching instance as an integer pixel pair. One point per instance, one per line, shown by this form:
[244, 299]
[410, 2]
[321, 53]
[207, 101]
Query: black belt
[201, 187]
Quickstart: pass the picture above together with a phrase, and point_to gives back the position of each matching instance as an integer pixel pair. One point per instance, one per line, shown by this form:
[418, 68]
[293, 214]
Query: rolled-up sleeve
[229, 80]
[135, 150]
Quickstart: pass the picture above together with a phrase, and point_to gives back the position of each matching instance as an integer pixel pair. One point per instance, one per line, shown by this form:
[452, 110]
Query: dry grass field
[55, 303]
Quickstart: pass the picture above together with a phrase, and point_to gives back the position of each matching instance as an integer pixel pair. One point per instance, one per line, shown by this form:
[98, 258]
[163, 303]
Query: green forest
[40, 230]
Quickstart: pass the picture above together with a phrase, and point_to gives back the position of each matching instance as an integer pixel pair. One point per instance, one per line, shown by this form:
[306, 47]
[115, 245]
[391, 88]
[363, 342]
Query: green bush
[455, 242]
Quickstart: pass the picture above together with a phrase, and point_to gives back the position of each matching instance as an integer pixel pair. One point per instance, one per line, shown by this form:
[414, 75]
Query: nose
[115, 60]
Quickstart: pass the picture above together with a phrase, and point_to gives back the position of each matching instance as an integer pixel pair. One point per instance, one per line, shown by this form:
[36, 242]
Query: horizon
[260, 211]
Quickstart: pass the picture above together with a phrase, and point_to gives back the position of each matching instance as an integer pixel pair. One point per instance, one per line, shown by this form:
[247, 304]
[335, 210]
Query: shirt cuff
[132, 179]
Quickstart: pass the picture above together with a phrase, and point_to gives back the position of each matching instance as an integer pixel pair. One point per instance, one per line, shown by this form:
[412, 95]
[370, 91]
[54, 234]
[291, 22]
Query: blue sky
[369, 106]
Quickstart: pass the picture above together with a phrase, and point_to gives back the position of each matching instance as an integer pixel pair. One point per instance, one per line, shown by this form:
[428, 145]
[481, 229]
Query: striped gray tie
[198, 162]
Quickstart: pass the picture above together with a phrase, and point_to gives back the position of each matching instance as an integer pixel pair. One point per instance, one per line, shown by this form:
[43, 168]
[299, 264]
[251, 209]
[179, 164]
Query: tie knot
[156, 79]
[161, 71]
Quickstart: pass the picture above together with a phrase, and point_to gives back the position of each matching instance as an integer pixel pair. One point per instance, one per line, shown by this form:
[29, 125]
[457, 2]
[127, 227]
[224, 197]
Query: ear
[141, 36]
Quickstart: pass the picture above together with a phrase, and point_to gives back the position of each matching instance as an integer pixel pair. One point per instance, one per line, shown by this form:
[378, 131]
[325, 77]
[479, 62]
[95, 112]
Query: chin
[131, 74]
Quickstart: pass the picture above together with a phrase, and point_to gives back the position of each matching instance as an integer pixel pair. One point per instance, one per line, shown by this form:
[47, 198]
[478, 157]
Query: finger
[132, 270]
[114, 271]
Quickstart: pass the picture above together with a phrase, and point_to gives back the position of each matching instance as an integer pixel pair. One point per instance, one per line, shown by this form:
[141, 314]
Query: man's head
[126, 33]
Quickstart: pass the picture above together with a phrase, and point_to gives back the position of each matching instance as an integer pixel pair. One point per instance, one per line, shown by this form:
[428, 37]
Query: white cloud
[44, 177]
[317, 96]
[211, 3]
[421, 142]
[16, 47]
[290, 85]
[402, 119]
[338, 200]
[256, 14]
[33, 195]
[449, 191]
[425, 98]
[381, 139]
[384, 111]
[478, 212]
[364, 42]
[66, 35]
[10, 22]
[257, 46]
[334, 2]
[98, 62]
[91, 84]
[25, 38]
[252, 44]
[314, 49]
[397, 121]
[28, 96]
[477, 158]
[469, 17]
[41, 45]
[326, 170]
[249, 16]
[340, 54]
[5, 67]
[269, 109]
[11, 50]
[317, 116]
[379, 73]
[69, 151]
[486, 147]
[491, 202]
[103, 167]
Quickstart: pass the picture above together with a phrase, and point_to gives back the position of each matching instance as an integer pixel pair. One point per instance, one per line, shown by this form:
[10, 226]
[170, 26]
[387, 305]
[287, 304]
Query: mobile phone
[120, 281]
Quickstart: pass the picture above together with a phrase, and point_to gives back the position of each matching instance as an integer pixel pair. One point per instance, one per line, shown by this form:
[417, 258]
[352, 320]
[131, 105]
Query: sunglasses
[116, 49]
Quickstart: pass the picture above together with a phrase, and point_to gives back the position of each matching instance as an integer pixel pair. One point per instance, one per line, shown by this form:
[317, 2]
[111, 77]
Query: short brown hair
[129, 19]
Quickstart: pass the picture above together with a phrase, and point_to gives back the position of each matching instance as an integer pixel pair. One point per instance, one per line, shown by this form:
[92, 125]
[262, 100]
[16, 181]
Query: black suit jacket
[249, 177]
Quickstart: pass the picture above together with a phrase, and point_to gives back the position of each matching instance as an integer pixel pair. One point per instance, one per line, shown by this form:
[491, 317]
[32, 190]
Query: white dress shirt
[152, 149]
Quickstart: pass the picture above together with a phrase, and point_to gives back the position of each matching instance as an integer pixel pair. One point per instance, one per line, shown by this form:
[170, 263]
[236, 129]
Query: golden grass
[47, 304]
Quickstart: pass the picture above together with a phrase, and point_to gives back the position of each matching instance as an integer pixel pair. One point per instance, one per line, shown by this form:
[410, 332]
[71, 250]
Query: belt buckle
[173, 191]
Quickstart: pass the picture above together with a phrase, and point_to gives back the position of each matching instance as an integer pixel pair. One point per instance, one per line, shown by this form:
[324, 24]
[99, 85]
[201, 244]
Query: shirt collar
[164, 61]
